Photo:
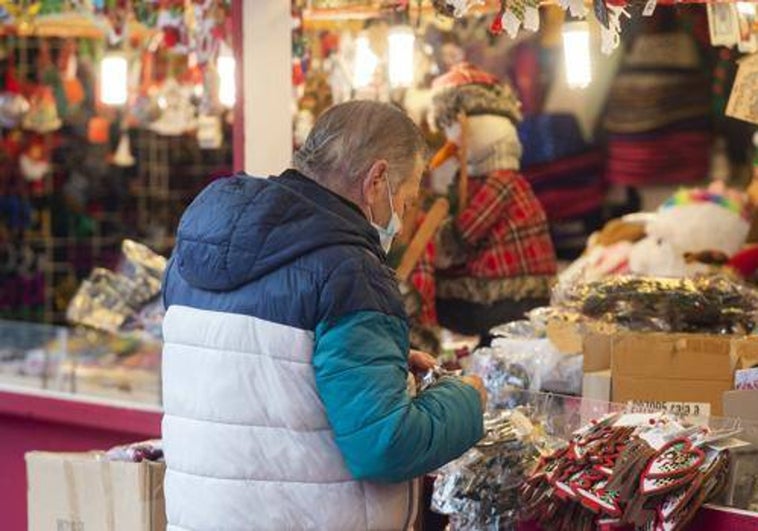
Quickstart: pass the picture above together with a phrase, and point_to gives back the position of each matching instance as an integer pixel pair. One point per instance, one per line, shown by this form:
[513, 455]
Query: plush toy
[495, 259]
[695, 231]
[691, 230]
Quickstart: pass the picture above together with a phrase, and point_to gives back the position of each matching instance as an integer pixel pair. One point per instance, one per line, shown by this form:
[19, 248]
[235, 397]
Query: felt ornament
[610, 33]
[68, 65]
[34, 165]
[209, 133]
[12, 85]
[123, 156]
[12, 109]
[98, 130]
[42, 116]
[455, 8]
[50, 76]
[496, 27]
[178, 113]
[13, 105]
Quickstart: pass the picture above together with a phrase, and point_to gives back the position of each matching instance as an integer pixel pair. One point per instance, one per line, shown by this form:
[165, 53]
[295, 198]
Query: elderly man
[286, 344]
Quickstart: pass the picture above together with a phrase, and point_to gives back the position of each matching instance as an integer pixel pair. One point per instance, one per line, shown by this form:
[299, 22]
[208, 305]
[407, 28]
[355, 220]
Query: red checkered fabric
[422, 278]
[506, 227]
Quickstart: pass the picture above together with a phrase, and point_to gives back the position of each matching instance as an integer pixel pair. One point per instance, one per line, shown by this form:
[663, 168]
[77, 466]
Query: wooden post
[425, 232]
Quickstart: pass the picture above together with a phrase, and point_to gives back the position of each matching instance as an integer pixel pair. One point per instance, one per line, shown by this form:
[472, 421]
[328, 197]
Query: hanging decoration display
[85, 88]
[731, 23]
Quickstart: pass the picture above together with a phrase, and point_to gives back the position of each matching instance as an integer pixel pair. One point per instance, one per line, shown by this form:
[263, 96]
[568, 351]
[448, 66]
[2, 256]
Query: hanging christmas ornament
[98, 130]
[178, 113]
[34, 165]
[43, 114]
[209, 133]
[601, 12]
[144, 110]
[576, 8]
[743, 101]
[68, 66]
[171, 23]
[496, 27]
[511, 22]
[123, 156]
[723, 23]
[302, 127]
[532, 15]
[11, 81]
[12, 109]
[610, 36]
[746, 19]
[455, 8]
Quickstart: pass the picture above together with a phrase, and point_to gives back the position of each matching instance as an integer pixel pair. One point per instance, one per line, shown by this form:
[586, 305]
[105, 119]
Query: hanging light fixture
[226, 66]
[576, 54]
[365, 62]
[114, 79]
[401, 50]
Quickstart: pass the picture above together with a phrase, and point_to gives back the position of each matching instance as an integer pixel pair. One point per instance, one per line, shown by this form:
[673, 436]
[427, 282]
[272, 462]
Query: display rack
[142, 202]
[171, 171]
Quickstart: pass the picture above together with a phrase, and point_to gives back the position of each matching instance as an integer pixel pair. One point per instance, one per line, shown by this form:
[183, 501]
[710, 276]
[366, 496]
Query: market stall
[615, 106]
[610, 314]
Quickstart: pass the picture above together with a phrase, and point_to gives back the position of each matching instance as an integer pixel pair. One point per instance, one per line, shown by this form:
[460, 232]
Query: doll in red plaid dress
[494, 258]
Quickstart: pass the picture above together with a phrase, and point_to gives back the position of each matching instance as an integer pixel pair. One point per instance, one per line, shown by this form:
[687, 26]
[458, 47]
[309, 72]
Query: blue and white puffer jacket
[285, 365]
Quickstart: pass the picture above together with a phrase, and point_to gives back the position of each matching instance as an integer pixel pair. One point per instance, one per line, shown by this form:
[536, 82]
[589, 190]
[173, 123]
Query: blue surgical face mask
[393, 228]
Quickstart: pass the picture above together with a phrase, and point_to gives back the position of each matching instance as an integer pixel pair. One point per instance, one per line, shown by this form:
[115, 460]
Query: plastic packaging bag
[530, 364]
[707, 304]
[480, 490]
[110, 301]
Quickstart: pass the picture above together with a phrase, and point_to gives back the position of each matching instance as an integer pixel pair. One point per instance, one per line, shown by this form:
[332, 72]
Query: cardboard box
[597, 350]
[742, 405]
[597, 385]
[592, 339]
[566, 336]
[83, 492]
[693, 369]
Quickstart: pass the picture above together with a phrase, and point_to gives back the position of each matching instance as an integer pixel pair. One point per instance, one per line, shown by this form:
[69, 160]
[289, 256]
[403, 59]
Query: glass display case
[80, 362]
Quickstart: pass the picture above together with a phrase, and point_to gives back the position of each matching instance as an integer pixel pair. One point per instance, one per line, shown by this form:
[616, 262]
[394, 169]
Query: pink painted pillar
[238, 141]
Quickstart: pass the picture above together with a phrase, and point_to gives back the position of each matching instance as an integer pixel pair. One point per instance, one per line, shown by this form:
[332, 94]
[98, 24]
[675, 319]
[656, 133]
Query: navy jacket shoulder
[284, 249]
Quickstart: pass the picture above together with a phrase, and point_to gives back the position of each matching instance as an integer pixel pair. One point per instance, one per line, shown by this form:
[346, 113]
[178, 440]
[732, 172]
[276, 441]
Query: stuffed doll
[495, 259]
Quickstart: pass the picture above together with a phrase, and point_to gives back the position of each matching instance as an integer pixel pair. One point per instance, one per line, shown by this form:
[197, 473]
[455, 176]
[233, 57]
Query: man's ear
[372, 185]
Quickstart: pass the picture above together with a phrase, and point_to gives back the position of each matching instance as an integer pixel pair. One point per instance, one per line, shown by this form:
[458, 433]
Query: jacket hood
[241, 228]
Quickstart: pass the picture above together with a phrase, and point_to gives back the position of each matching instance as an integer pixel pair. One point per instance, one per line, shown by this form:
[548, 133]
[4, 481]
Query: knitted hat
[467, 89]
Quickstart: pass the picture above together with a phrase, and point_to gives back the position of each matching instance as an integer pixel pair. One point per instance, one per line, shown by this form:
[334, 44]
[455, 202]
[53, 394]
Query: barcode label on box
[682, 409]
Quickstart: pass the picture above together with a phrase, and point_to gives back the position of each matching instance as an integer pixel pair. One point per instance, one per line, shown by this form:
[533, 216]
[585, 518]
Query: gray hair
[348, 138]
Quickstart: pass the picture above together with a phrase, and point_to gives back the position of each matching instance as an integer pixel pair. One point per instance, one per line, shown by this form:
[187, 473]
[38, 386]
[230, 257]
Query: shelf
[69, 25]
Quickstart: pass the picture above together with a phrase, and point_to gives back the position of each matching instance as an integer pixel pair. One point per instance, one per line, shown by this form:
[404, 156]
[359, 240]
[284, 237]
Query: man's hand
[476, 383]
[420, 362]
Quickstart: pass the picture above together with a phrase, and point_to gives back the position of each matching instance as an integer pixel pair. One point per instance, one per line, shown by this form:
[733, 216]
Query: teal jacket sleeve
[361, 370]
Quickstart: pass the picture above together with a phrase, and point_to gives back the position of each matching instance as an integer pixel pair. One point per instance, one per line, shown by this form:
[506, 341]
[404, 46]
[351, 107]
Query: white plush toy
[692, 221]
